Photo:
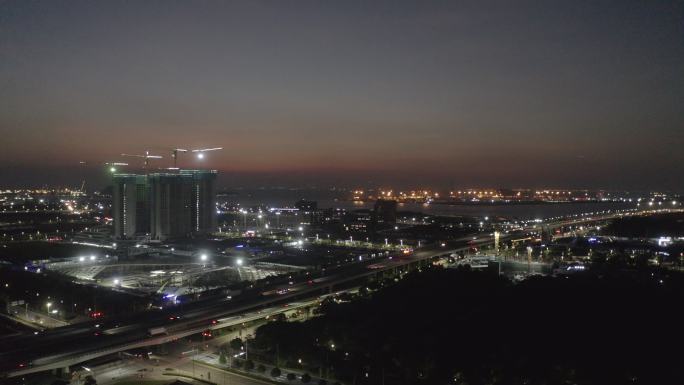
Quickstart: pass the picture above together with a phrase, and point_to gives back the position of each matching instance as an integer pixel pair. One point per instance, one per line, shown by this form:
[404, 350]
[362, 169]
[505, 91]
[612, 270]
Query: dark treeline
[654, 226]
[463, 327]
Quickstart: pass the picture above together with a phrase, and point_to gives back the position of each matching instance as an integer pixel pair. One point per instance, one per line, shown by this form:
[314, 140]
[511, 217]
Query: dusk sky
[444, 93]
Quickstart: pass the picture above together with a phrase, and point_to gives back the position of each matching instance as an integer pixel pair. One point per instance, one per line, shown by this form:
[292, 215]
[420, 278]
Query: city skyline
[580, 95]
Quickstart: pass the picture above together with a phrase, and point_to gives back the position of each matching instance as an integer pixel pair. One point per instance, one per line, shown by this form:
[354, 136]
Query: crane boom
[146, 156]
[200, 153]
[208, 149]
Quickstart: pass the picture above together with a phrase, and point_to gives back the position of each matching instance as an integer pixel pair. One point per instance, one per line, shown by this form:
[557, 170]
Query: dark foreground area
[464, 327]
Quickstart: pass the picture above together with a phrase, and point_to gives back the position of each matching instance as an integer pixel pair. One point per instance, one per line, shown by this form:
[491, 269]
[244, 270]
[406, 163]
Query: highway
[70, 345]
[29, 354]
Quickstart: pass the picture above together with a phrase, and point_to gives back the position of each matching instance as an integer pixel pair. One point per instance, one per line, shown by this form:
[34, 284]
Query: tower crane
[174, 155]
[200, 153]
[113, 165]
[146, 156]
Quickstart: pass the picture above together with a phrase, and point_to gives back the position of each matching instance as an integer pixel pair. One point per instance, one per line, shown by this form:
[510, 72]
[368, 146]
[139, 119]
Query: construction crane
[200, 153]
[114, 165]
[174, 154]
[147, 157]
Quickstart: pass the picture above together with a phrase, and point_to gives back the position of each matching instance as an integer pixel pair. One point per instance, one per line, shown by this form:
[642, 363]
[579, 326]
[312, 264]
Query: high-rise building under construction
[179, 204]
[130, 205]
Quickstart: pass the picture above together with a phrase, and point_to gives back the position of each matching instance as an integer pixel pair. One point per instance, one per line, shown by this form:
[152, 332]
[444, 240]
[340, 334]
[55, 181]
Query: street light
[48, 306]
[203, 257]
[239, 261]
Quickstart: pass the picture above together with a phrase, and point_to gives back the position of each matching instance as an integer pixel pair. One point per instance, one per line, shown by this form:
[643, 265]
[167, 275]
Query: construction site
[153, 236]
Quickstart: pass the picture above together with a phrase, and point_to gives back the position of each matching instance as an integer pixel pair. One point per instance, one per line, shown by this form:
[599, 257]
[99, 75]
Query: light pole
[529, 259]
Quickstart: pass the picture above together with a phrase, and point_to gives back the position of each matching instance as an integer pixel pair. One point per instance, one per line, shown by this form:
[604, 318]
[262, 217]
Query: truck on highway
[156, 331]
[476, 262]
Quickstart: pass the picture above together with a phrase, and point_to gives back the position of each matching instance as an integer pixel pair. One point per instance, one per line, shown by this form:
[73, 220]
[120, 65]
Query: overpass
[135, 335]
[65, 360]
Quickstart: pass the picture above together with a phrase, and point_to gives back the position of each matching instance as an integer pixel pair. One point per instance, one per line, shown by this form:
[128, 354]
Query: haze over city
[450, 93]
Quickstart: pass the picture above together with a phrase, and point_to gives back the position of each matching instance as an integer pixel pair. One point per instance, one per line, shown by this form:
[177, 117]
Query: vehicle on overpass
[156, 331]
[476, 262]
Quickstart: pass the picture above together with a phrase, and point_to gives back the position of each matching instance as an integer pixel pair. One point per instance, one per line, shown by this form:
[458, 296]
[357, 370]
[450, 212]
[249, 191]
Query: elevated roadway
[74, 344]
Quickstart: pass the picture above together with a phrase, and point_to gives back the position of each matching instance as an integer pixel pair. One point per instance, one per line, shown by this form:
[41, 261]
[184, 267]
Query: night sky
[453, 93]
